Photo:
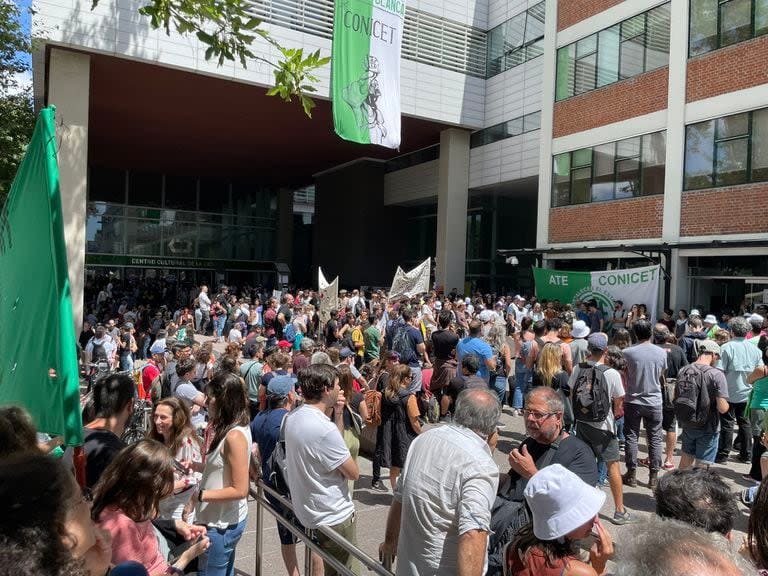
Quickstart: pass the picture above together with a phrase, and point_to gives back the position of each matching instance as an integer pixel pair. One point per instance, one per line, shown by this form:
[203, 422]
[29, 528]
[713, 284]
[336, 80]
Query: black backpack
[99, 352]
[692, 398]
[401, 343]
[278, 472]
[591, 398]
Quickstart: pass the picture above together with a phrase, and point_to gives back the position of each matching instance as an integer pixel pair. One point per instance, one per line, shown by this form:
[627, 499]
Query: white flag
[408, 284]
[328, 295]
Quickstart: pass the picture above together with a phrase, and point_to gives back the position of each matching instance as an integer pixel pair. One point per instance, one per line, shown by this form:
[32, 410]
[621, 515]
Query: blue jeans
[522, 385]
[218, 326]
[219, 559]
[126, 362]
[602, 471]
[620, 429]
[500, 387]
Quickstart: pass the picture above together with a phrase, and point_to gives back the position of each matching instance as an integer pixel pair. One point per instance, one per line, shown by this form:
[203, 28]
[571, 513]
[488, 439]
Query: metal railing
[258, 494]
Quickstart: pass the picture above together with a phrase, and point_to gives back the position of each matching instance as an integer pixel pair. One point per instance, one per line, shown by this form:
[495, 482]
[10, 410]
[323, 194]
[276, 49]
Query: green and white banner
[365, 70]
[631, 286]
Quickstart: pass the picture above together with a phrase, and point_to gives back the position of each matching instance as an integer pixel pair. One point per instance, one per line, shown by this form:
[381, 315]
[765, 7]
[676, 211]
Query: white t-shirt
[314, 449]
[235, 336]
[615, 390]
[186, 392]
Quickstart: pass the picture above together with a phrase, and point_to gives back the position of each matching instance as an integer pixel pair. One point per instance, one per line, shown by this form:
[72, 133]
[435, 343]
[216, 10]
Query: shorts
[700, 444]
[668, 421]
[603, 443]
[286, 536]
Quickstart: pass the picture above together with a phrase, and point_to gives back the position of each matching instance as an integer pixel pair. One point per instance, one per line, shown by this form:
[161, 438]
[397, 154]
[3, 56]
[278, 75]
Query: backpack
[99, 351]
[372, 399]
[401, 343]
[509, 514]
[429, 408]
[289, 332]
[278, 470]
[591, 398]
[692, 401]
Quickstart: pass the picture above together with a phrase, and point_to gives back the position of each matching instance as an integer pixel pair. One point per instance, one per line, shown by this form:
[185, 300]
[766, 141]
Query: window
[516, 41]
[497, 132]
[624, 169]
[634, 46]
[718, 23]
[727, 151]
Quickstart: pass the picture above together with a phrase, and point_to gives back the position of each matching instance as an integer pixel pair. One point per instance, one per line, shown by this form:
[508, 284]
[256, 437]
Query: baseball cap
[707, 346]
[128, 325]
[597, 341]
[280, 386]
[284, 344]
[346, 353]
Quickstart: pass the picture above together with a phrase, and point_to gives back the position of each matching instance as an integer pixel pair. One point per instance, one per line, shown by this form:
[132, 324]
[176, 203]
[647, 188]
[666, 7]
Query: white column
[69, 90]
[548, 79]
[452, 195]
[678, 67]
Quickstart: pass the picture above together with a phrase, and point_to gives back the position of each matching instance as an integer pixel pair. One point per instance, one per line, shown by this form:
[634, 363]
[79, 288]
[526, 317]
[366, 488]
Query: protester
[738, 360]
[697, 497]
[440, 518]
[173, 428]
[126, 500]
[399, 421]
[474, 344]
[222, 498]
[595, 413]
[551, 335]
[564, 510]
[646, 364]
[444, 341]
[757, 532]
[658, 547]
[355, 413]
[185, 391]
[701, 397]
[500, 350]
[251, 371]
[523, 376]
[319, 464]
[406, 339]
[578, 345]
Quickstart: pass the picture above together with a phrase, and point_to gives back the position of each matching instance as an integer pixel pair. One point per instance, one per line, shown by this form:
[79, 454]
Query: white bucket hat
[710, 319]
[580, 329]
[560, 502]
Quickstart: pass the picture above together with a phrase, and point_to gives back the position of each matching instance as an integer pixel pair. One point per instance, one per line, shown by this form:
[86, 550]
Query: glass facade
[718, 23]
[727, 151]
[634, 46]
[514, 127]
[516, 41]
[179, 216]
[614, 171]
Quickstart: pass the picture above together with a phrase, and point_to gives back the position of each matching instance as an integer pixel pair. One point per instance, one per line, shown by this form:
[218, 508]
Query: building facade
[579, 134]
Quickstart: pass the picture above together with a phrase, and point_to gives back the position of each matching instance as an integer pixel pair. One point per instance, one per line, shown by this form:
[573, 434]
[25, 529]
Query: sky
[26, 25]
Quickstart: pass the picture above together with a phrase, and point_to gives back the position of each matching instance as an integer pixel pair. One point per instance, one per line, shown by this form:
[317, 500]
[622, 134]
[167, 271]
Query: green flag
[38, 357]
[365, 70]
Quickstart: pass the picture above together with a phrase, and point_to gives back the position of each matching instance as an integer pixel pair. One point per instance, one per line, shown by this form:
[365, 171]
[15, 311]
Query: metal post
[307, 558]
[259, 530]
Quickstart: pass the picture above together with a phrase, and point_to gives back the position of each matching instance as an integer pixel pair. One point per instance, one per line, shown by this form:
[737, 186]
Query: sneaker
[744, 497]
[749, 478]
[500, 425]
[646, 462]
[721, 459]
[668, 466]
[379, 487]
[603, 483]
[621, 518]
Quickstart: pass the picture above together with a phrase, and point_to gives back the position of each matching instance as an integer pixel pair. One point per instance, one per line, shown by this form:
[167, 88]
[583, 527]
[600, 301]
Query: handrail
[261, 503]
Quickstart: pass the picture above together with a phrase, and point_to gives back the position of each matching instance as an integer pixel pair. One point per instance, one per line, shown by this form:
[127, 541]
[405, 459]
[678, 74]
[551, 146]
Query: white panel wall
[505, 161]
[513, 93]
[116, 28]
[410, 184]
[500, 11]
[470, 12]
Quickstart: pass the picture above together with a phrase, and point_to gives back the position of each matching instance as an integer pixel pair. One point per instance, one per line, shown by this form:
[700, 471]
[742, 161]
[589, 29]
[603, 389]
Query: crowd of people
[298, 384]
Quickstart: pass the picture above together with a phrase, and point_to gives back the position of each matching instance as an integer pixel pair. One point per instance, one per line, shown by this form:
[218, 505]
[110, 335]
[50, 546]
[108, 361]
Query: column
[452, 195]
[69, 90]
[675, 160]
[285, 226]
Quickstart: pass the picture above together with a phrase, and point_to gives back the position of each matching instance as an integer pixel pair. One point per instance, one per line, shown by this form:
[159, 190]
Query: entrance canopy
[156, 119]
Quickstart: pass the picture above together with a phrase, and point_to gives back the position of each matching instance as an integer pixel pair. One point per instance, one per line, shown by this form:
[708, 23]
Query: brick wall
[636, 96]
[734, 210]
[569, 12]
[642, 217]
[728, 69]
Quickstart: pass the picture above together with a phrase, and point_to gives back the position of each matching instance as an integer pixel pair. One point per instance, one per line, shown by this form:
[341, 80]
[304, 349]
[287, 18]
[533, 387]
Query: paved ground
[372, 506]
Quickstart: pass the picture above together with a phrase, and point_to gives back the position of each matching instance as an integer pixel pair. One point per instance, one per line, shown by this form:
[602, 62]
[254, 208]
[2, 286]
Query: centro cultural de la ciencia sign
[174, 262]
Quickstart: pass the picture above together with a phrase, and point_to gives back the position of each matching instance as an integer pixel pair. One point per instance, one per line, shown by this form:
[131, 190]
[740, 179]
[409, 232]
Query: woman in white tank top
[222, 505]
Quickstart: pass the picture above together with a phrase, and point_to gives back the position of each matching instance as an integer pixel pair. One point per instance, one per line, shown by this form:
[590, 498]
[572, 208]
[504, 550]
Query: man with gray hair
[445, 493]
[738, 358]
[658, 547]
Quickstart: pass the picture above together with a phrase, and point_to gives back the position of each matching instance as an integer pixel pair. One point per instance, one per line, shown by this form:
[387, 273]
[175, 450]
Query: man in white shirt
[318, 462]
[445, 493]
[517, 308]
[205, 308]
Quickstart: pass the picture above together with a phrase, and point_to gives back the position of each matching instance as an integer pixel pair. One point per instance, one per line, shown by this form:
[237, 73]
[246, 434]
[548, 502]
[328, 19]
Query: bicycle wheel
[133, 435]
